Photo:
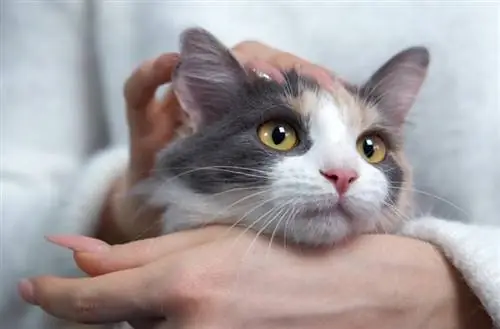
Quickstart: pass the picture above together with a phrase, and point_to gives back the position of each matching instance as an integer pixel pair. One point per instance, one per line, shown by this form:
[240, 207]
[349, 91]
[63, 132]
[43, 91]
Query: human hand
[153, 123]
[215, 278]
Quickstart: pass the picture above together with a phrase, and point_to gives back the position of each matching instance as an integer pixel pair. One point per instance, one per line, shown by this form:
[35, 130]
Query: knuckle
[77, 304]
[136, 80]
[129, 83]
[83, 304]
[197, 285]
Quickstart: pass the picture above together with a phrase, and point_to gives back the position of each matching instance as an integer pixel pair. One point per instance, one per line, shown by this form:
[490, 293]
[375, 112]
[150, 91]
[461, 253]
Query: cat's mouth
[335, 211]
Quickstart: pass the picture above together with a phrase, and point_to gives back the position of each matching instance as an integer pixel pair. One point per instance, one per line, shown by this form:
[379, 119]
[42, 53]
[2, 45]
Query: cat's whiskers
[260, 204]
[396, 213]
[278, 207]
[287, 221]
[240, 200]
[237, 189]
[269, 222]
[146, 206]
[187, 172]
[217, 167]
[285, 226]
[137, 213]
[388, 170]
[263, 216]
[287, 86]
[285, 215]
[229, 228]
[249, 212]
[433, 196]
[222, 170]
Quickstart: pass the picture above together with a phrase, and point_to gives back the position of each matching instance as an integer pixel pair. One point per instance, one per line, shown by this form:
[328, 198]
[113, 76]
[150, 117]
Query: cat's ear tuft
[395, 86]
[208, 77]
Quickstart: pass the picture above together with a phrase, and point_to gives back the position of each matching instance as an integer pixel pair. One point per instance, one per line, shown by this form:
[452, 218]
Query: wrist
[472, 313]
[460, 309]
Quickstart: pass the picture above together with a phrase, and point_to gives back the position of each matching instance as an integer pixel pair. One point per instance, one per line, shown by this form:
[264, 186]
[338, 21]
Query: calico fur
[222, 173]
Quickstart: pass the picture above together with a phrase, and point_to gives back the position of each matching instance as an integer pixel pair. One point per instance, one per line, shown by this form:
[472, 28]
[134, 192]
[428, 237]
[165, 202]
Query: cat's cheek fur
[297, 185]
[365, 200]
[183, 208]
[186, 209]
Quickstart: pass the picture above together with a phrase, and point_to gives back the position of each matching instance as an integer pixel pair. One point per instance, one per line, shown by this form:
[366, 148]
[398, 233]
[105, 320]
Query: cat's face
[291, 160]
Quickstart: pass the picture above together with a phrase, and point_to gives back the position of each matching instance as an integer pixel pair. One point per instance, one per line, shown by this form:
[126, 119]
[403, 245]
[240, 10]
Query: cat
[288, 160]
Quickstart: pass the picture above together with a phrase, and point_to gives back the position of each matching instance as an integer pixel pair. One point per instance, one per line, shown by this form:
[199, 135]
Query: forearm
[469, 311]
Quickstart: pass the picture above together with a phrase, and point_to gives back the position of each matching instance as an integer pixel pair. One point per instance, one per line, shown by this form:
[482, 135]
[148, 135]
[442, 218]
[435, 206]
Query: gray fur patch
[395, 176]
[228, 152]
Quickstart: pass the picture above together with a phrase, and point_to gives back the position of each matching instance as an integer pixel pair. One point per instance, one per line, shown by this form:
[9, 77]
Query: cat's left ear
[395, 86]
[208, 78]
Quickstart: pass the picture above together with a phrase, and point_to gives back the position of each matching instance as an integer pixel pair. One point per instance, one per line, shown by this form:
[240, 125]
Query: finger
[168, 115]
[264, 57]
[258, 66]
[286, 61]
[253, 50]
[104, 299]
[94, 259]
[159, 128]
[249, 51]
[142, 84]
[318, 74]
[141, 87]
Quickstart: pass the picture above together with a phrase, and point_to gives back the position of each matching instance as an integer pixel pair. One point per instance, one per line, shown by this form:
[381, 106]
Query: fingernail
[265, 70]
[27, 291]
[79, 243]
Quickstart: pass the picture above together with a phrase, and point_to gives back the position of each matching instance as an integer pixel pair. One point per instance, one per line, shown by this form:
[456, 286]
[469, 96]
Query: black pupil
[279, 135]
[369, 147]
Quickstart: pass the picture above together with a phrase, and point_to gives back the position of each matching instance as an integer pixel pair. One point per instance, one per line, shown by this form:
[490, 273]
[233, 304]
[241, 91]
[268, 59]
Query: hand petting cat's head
[291, 160]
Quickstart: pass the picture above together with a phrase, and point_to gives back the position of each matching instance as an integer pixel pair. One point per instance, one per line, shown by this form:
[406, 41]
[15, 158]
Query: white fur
[298, 178]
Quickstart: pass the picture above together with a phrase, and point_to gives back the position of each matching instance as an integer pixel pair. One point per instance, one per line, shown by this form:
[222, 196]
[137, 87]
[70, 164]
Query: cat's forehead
[311, 101]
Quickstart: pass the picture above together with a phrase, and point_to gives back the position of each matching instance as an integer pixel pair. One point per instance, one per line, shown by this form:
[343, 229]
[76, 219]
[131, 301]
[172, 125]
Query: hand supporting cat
[212, 278]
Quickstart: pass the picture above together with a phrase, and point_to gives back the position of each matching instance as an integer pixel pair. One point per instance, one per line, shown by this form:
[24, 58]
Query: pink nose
[341, 178]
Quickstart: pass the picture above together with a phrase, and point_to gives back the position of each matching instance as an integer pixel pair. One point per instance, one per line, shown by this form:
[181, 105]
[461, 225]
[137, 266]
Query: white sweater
[63, 131]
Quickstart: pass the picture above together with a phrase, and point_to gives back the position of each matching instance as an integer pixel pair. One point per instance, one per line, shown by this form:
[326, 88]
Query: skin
[194, 278]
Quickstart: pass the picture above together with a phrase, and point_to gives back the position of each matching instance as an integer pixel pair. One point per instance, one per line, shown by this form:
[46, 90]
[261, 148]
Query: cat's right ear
[208, 77]
[395, 86]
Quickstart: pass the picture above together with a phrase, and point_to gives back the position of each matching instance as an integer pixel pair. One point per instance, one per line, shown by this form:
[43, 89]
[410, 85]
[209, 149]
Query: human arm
[473, 250]
[201, 276]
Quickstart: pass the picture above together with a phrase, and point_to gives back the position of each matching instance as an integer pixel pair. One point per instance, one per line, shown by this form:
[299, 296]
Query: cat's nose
[341, 178]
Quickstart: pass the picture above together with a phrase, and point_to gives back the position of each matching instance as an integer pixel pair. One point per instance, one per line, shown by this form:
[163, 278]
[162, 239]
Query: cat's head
[287, 159]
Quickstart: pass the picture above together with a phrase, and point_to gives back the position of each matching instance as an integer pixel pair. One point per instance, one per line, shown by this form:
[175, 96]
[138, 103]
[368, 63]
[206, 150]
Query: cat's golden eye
[278, 135]
[372, 148]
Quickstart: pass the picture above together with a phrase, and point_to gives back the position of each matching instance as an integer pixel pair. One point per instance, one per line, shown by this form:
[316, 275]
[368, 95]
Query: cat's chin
[319, 228]
[311, 226]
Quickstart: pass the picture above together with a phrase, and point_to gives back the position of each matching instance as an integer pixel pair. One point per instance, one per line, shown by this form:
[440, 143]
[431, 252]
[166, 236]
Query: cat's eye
[372, 148]
[278, 136]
